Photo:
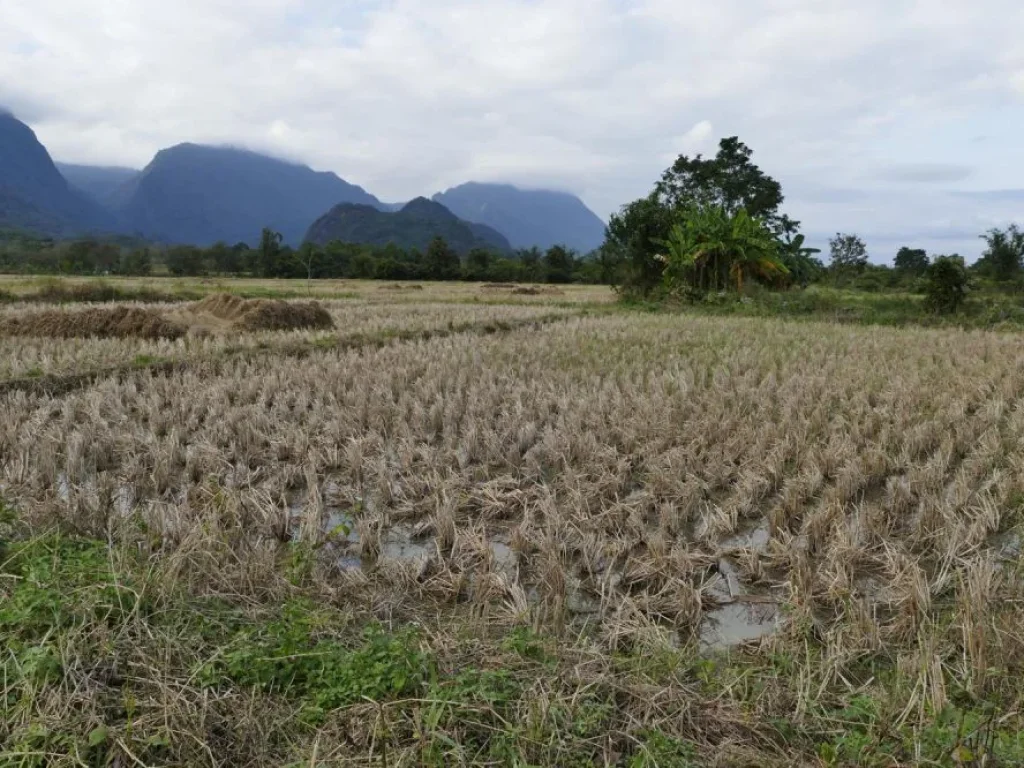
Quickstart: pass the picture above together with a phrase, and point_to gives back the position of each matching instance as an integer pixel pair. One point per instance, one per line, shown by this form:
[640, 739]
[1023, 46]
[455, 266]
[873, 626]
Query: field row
[37, 356]
[648, 471]
[374, 291]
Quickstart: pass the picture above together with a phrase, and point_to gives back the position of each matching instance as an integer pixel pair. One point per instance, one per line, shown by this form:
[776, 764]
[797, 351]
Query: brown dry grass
[220, 313]
[263, 314]
[616, 483]
[114, 322]
[25, 288]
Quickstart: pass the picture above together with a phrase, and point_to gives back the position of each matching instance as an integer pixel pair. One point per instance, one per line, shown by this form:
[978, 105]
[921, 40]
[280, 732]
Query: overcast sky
[902, 121]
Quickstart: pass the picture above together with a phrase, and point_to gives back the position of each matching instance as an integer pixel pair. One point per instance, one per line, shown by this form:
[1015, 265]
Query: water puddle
[122, 498]
[341, 526]
[399, 543]
[582, 603]
[503, 559]
[740, 615]
[739, 622]
[756, 537]
[1009, 544]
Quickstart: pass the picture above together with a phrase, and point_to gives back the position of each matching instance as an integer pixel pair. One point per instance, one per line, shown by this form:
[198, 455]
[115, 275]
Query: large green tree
[947, 283]
[559, 263]
[269, 253]
[533, 268]
[911, 261]
[848, 254]
[800, 261]
[478, 264]
[635, 234]
[1003, 258]
[441, 262]
[729, 181]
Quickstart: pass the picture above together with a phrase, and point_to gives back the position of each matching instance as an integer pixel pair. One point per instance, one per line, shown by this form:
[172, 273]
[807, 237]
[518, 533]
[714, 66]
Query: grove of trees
[24, 254]
[709, 224]
[714, 225]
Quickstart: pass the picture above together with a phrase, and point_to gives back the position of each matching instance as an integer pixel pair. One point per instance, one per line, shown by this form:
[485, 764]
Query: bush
[946, 286]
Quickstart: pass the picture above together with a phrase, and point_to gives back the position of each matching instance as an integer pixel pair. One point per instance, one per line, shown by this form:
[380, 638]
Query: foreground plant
[526, 547]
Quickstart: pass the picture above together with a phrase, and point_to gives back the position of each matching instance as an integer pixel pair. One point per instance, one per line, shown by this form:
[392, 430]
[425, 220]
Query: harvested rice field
[451, 533]
[86, 289]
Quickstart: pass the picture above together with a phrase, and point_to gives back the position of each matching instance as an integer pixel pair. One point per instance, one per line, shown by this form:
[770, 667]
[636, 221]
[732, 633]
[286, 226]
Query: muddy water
[1008, 545]
[737, 614]
[400, 544]
[754, 537]
[738, 622]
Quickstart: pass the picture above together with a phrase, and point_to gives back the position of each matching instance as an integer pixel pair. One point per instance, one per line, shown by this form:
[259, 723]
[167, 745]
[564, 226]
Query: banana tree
[709, 248]
[800, 261]
[754, 251]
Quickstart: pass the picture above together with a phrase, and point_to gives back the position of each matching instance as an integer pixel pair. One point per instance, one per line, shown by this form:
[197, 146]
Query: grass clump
[265, 314]
[115, 322]
[57, 291]
[286, 656]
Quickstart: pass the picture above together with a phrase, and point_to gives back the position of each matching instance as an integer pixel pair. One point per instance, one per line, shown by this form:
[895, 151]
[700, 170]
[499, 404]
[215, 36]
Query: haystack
[531, 290]
[264, 314]
[113, 322]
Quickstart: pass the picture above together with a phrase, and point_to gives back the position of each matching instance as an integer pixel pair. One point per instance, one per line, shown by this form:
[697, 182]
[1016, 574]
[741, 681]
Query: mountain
[34, 195]
[413, 226]
[198, 194]
[527, 218]
[97, 182]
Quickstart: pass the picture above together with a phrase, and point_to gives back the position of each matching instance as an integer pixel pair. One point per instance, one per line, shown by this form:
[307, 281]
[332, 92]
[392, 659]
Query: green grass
[99, 654]
[123, 654]
[987, 310]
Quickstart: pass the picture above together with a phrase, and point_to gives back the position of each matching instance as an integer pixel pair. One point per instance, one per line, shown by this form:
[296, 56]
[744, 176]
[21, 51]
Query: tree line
[715, 225]
[25, 254]
[944, 279]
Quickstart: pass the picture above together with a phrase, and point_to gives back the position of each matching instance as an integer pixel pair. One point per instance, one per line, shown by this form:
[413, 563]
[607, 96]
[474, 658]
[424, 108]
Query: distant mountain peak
[422, 206]
[414, 225]
[527, 217]
[35, 194]
[100, 183]
[199, 194]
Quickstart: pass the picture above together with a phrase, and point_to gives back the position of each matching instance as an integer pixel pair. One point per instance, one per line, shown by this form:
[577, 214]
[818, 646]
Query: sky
[897, 120]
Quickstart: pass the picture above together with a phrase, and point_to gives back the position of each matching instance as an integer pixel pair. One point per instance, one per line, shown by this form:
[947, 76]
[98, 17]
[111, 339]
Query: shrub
[946, 286]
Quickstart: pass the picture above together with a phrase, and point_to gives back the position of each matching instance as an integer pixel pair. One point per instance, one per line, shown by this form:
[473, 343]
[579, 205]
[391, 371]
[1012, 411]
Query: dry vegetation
[218, 313]
[162, 289]
[104, 323]
[354, 322]
[614, 540]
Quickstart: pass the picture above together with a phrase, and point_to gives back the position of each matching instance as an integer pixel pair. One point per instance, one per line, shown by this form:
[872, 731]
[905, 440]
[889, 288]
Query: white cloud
[409, 96]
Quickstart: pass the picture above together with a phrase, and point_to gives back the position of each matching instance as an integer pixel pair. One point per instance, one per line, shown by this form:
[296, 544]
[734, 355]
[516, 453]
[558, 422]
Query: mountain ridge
[413, 226]
[200, 194]
[35, 193]
[527, 217]
[100, 183]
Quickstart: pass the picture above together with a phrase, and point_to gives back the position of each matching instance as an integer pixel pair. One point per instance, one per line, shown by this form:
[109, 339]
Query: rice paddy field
[467, 527]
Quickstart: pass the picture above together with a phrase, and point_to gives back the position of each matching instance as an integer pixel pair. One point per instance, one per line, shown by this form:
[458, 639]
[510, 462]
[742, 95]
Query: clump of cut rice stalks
[113, 322]
[263, 314]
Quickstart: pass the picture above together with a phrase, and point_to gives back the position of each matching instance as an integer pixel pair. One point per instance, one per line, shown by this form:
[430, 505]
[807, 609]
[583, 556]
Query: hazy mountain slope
[198, 194]
[35, 195]
[527, 218]
[414, 226]
[100, 183]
